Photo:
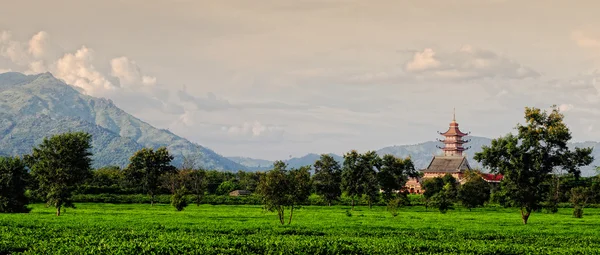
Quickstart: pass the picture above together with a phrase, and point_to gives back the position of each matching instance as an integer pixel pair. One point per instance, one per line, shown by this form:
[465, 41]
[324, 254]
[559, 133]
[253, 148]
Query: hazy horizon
[274, 78]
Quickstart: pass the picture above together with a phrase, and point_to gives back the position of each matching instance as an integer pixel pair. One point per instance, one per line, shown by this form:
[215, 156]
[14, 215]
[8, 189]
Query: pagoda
[453, 143]
[452, 162]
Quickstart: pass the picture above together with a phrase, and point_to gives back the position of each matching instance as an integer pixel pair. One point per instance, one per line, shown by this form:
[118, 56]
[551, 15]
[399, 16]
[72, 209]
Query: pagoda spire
[453, 142]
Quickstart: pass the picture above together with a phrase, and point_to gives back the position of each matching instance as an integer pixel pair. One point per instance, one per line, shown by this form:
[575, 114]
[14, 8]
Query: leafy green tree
[196, 181]
[370, 164]
[226, 187]
[13, 182]
[442, 200]
[60, 164]
[327, 178]
[527, 159]
[580, 197]
[178, 198]
[352, 175]
[280, 188]
[147, 166]
[299, 190]
[432, 186]
[110, 176]
[394, 174]
[474, 192]
[359, 175]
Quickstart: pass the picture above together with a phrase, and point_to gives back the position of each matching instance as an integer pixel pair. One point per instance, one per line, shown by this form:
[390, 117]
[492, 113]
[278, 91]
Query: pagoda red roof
[453, 130]
[492, 177]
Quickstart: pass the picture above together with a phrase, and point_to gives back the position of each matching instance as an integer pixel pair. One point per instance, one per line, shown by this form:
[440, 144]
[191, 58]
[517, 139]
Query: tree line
[539, 171]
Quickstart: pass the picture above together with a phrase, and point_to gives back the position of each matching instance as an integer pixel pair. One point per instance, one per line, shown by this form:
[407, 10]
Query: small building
[239, 192]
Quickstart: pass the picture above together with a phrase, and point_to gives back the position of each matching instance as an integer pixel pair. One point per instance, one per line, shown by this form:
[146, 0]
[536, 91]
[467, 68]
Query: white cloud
[5, 70]
[584, 40]
[77, 70]
[254, 129]
[129, 73]
[565, 107]
[466, 64]
[13, 50]
[423, 61]
[38, 44]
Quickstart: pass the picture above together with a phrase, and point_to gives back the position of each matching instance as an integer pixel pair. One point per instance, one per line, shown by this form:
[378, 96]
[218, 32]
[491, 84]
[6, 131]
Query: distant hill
[36, 106]
[422, 153]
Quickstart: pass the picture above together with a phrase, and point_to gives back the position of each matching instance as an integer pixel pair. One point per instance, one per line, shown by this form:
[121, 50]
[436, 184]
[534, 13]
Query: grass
[142, 229]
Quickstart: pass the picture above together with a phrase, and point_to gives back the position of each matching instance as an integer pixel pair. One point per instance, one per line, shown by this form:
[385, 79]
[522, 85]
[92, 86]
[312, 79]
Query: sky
[277, 78]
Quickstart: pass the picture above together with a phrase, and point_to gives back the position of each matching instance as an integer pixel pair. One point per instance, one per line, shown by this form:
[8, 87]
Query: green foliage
[527, 159]
[138, 229]
[359, 176]
[196, 181]
[13, 181]
[394, 174]
[146, 168]
[327, 178]
[178, 198]
[474, 192]
[59, 165]
[580, 197]
[226, 187]
[281, 188]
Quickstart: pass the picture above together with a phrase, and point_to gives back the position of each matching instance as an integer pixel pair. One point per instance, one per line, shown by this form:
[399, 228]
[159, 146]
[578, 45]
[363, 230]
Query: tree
[432, 186]
[579, 198]
[196, 181]
[328, 178]
[475, 191]
[178, 198]
[370, 164]
[60, 164]
[352, 176]
[226, 187]
[394, 174]
[13, 181]
[280, 188]
[147, 166]
[443, 200]
[527, 159]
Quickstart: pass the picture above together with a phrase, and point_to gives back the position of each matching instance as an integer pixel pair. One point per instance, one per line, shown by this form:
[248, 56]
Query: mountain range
[36, 106]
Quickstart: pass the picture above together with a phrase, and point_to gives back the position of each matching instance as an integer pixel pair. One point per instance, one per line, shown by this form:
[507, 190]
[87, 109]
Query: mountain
[36, 106]
[422, 153]
[296, 162]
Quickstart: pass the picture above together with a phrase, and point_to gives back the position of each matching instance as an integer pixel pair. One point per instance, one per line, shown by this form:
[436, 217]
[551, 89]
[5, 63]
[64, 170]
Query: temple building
[453, 161]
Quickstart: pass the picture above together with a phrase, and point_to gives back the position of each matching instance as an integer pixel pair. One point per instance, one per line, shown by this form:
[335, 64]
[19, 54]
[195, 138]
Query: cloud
[129, 73]
[565, 107]
[76, 69]
[584, 40]
[5, 70]
[254, 129]
[466, 64]
[13, 50]
[422, 61]
[38, 44]
[210, 102]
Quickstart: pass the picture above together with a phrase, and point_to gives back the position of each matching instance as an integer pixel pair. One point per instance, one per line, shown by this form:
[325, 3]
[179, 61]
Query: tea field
[142, 229]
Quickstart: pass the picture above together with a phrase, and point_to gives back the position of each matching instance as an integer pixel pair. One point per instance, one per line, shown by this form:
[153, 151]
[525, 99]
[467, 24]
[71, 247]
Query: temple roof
[453, 130]
[447, 164]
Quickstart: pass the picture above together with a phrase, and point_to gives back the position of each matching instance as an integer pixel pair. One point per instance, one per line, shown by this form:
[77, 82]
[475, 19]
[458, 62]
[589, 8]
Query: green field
[141, 229]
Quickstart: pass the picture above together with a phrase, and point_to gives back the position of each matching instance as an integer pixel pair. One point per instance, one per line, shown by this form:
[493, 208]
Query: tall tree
[527, 159]
[299, 190]
[370, 164]
[352, 175]
[328, 178]
[475, 191]
[60, 164]
[13, 181]
[147, 166]
[196, 181]
[394, 174]
[273, 189]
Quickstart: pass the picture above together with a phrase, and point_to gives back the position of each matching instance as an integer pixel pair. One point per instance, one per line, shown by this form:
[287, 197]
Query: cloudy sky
[273, 78]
